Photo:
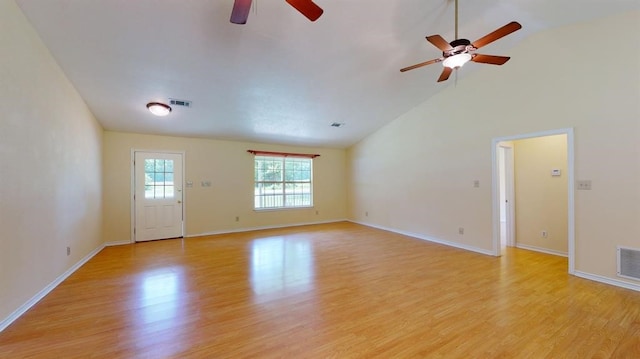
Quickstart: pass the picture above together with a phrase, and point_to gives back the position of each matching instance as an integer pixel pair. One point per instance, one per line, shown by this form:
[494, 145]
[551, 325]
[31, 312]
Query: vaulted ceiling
[280, 78]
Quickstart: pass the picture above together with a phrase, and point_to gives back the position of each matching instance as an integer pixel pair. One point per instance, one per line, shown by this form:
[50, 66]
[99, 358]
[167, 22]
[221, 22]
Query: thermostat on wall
[556, 172]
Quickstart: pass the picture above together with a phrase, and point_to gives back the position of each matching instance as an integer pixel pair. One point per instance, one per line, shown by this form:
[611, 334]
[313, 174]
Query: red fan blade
[421, 64]
[500, 33]
[446, 72]
[490, 59]
[240, 11]
[307, 8]
[439, 42]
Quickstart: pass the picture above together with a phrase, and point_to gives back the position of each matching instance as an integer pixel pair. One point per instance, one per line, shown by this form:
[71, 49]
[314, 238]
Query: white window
[158, 178]
[283, 182]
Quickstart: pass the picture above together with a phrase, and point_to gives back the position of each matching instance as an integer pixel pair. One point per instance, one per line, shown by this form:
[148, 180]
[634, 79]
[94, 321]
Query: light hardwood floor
[326, 291]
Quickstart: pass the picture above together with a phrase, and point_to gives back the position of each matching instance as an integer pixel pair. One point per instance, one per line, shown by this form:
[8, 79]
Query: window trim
[284, 183]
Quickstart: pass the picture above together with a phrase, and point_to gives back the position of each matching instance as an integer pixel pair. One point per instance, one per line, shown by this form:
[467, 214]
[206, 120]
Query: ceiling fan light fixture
[460, 51]
[159, 109]
[455, 61]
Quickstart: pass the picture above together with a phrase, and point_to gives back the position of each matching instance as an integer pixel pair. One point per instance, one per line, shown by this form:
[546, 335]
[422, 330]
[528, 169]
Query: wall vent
[629, 263]
[175, 102]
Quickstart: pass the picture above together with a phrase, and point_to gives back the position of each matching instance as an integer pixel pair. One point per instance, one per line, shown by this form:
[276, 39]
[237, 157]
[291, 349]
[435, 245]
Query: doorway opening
[526, 197]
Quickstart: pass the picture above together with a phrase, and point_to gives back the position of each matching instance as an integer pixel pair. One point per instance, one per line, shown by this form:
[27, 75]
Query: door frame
[509, 180]
[133, 188]
[570, 190]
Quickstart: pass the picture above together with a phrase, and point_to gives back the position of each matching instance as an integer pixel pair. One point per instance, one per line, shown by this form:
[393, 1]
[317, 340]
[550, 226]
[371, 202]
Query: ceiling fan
[460, 51]
[308, 8]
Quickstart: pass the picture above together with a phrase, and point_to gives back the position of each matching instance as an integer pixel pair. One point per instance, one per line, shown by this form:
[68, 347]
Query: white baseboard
[36, 298]
[249, 229]
[431, 239]
[116, 243]
[541, 250]
[607, 280]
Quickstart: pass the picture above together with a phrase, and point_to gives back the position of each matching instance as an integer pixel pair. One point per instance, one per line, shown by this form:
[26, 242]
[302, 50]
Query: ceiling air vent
[337, 124]
[175, 102]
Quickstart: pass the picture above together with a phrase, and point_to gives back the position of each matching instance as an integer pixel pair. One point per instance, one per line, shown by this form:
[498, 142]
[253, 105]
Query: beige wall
[50, 158]
[230, 169]
[541, 199]
[416, 174]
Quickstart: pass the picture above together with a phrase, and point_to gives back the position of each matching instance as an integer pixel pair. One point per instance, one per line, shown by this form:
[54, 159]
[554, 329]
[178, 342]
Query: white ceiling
[280, 78]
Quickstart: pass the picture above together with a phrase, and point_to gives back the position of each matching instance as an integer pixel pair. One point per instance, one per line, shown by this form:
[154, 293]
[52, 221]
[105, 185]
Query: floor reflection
[281, 266]
[160, 310]
[159, 297]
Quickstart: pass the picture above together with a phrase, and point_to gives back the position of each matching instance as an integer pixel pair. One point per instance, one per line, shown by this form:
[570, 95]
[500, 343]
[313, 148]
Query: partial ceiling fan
[308, 8]
[460, 51]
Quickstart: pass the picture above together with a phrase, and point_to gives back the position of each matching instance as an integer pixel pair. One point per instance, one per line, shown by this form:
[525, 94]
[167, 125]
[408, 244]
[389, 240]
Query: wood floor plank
[337, 290]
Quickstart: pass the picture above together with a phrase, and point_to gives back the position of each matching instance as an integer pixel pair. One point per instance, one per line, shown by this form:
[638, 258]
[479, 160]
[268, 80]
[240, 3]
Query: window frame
[151, 182]
[283, 182]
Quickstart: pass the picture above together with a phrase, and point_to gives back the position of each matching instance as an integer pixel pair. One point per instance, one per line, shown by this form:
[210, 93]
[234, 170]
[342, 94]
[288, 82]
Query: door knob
[179, 201]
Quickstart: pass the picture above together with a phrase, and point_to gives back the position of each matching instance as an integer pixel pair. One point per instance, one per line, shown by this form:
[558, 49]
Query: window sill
[281, 209]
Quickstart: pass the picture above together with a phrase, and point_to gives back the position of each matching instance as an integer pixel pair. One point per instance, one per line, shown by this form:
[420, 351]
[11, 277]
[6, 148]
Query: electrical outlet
[237, 219]
[366, 214]
[461, 230]
[544, 234]
[317, 212]
[68, 251]
[476, 184]
[584, 185]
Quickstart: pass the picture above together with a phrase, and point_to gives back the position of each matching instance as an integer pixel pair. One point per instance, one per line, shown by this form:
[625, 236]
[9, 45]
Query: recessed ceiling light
[159, 109]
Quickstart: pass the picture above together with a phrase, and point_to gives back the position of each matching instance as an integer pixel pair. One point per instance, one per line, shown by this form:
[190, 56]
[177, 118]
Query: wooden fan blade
[421, 64]
[240, 11]
[439, 42]
[500, 33]
[490, 59]
[446, 72]
[307, 8]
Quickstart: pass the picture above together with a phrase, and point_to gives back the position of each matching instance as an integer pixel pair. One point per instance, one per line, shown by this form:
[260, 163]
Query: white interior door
[158, 195]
